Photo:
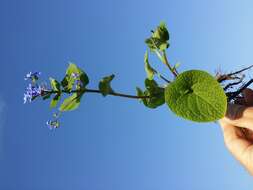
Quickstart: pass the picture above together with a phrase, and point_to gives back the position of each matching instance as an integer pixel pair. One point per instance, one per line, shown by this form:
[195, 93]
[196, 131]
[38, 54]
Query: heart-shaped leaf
[196, 95]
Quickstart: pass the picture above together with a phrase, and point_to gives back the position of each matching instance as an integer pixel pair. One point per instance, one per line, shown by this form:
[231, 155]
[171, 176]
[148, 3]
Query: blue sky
[114, 143]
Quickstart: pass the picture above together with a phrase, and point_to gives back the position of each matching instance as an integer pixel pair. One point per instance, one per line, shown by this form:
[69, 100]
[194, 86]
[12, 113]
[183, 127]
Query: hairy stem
[240, 71]
[230, 76]
[232, 84]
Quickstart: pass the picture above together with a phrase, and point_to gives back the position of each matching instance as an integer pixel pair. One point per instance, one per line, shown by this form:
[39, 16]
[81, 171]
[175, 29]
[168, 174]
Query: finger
[247, 112]
[243, 122]
[240, 116]
[248, 134]
[235, 111]
[230, 132]
[235, 142]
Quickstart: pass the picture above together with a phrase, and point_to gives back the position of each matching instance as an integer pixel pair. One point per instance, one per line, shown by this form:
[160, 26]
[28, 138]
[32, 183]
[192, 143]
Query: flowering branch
[187, 95]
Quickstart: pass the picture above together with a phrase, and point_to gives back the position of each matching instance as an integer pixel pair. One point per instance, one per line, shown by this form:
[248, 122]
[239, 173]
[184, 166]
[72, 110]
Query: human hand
[237, 127]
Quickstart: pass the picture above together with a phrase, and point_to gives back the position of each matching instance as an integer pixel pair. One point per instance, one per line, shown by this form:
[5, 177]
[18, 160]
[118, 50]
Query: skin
[237, 127]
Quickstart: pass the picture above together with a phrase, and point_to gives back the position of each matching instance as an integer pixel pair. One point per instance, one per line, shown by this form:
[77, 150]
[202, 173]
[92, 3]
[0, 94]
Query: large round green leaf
[196, 95]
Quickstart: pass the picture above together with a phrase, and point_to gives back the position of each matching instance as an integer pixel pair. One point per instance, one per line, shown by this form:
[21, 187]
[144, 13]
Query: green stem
[164, 60]
[162, 77]
[99, 92]
[174, 72]
[117, 94]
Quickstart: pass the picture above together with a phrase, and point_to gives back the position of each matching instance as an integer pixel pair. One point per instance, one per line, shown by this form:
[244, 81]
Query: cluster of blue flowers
[34, 90]
[32, 76]
[52, 124]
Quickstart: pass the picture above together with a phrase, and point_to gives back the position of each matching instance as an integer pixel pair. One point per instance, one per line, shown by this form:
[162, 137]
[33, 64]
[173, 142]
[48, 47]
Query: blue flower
[32, 76]
[52, 124]
[32, 91]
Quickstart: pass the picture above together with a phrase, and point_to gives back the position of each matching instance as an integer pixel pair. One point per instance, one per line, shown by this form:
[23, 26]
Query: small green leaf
[149, 70]
[151, 44]
[74, 73]
[65, 83]
[82, 75]
[155, 92]
[151, 86]
[161, 33]
[55, 100]
[105, 85]
[71, 103]
[196, 95]
[72, 68]
[155, 100]
[159, 39]
[83, 78]
[154, 44]
[140, 93]
[55, 85]
[177, 65]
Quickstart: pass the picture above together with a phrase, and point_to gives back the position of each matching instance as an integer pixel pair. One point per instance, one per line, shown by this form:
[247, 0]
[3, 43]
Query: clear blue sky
[112, 143]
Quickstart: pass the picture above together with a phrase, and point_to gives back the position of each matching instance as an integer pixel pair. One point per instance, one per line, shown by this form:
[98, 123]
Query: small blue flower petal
[75, 75]
[31, 92]
[32, 75]
[52, 124]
